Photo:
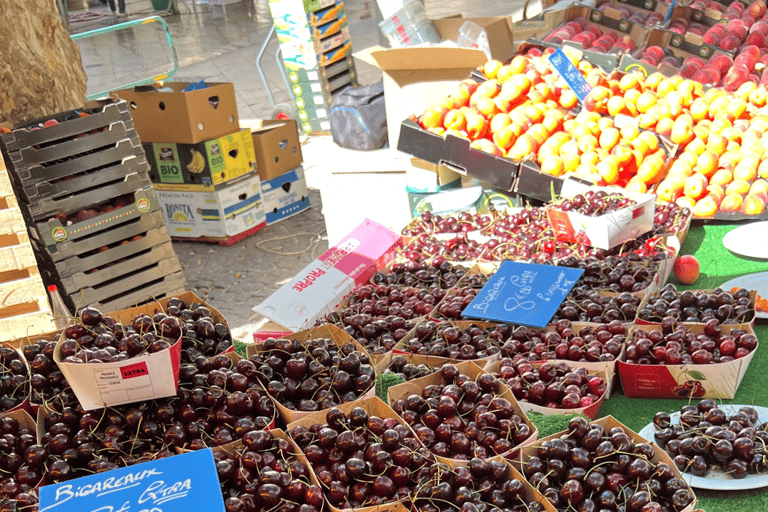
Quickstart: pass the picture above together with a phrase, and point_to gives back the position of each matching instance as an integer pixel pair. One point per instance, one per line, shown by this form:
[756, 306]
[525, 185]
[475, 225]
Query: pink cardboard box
[329, 280]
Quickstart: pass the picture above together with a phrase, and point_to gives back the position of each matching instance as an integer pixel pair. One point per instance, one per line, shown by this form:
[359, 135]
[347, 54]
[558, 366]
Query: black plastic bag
[358, 118]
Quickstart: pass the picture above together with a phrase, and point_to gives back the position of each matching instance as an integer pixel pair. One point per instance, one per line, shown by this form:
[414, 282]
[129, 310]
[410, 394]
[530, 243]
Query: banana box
[326, 14]
[228, 211]
[203, 166]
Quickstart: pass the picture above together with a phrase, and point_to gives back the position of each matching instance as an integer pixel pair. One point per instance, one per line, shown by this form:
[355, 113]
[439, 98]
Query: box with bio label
[202, 166]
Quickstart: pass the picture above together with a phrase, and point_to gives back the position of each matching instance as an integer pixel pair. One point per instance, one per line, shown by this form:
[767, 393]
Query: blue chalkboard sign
[570, 74]
[181, 483]
[523, 293]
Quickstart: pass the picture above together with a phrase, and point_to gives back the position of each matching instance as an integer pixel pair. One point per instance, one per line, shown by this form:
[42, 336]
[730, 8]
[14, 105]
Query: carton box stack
[317, 56]
[81, 179]
[278, 162]
[202, 164]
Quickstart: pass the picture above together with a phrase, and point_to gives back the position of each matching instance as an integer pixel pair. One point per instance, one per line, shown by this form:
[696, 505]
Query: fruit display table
[718, 265]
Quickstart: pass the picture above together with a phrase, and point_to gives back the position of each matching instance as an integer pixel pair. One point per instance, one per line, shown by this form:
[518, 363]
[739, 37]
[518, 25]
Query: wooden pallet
[24, 307]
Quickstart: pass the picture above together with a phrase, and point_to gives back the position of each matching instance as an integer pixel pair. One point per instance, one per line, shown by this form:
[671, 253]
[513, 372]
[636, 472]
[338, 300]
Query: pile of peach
[591, 37]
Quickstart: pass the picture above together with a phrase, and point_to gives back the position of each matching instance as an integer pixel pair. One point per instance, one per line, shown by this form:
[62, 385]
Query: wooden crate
[24, 307]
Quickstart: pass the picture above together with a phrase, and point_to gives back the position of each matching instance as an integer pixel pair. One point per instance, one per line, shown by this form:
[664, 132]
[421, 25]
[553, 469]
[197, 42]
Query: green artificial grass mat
[718, 265]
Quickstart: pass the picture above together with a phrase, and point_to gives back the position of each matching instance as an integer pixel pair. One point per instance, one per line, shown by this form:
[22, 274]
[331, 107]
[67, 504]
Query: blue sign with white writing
[174, 484]
[523, 293]
[570, 74]
[669, 12]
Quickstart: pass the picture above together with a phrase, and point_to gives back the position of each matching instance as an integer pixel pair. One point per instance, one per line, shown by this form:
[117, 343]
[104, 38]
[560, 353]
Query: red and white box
[329, 280]
[604, 231]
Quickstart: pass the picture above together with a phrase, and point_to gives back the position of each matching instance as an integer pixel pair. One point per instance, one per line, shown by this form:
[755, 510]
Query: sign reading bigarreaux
[174, 484]
[523, 293]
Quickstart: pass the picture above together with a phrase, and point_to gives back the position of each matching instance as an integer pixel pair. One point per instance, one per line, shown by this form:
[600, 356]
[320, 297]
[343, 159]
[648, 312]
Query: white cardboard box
[285, 195]
[326, 282]
[233, 209]
[604, 231]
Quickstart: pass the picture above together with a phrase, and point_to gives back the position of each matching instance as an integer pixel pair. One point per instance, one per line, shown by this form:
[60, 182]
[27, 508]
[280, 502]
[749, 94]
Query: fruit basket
[15, 380]
[666, 374]
[294, 387]
[650, 471]
[692, 306]
[550, 386]
[19, 428]
[434, 406]
[453, 341]
[376, 421]
[148, 368]
[239, 465]
[392, 369]
[560, 343]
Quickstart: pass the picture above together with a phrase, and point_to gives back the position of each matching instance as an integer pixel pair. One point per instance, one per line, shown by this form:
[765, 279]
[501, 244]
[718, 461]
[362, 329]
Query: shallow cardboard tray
[473, 370]
[750, 320]
[607, 423]
[694, 381]
[590, 412]
[339, 337]
[401, 346]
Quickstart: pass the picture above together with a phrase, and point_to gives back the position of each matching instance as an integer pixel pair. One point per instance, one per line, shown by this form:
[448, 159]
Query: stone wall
[41, 72]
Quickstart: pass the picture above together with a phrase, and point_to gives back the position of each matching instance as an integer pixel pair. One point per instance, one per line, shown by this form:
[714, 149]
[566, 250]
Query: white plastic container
[472, 35]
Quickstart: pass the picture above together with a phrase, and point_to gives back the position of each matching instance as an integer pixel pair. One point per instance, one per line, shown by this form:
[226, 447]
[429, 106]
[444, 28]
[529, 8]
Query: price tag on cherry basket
[174, 484]
[523, 293]
[570, 74]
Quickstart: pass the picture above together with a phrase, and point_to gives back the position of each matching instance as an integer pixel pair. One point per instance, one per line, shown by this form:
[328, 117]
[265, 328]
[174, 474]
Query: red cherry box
[689, 381]
[544, 451]
[137, 379]
[327, 331]
[373, 407]
[519, 424]
[604, 231]
[527, 342]
[590, 411]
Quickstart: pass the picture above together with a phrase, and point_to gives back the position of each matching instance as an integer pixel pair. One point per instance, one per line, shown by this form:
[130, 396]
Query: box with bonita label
[229, 211]
[202, 166]
[285, 195]
[329, 280]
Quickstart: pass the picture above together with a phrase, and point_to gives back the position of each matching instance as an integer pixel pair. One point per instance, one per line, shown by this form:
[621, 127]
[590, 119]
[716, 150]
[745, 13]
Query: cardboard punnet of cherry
[462, 412]
[134, 354]
[312, 370]
[602, 465]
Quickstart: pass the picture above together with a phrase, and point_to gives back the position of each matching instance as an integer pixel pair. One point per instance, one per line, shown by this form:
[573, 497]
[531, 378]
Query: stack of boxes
[203, 165]
[317, 55]
[94, 221]
[278, 161]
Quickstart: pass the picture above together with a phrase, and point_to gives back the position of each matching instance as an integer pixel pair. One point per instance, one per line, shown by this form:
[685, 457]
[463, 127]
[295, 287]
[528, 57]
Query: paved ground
[214, 45]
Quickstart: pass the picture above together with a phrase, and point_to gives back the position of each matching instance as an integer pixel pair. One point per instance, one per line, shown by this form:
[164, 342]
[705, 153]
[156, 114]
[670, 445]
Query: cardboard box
[329, 280]
[684, 46]
[296, 75]
[137, 379]
[472, 370]
[338, 336]
[276, 146]
[285, 196]
[607, 423]
[202, 166]
[187, 117]
[694, 381]
[590, 411]
[415, 78]
[425, 179]
[604, 231]
[232, 209]
[605, 19]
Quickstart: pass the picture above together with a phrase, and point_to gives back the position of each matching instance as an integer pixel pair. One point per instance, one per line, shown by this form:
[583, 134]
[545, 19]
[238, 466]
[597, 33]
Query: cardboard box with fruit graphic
[203, 166]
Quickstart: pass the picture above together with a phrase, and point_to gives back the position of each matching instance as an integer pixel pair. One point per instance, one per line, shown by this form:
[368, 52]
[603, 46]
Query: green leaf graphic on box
[386, 381]
[696, 375]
